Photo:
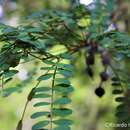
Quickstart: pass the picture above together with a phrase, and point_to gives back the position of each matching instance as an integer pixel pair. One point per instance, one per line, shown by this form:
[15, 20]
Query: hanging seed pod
[105, 57]
[89, 71]
[99, 91]
[104, 76]
[90, 59]
[49, 115]
[94, 46]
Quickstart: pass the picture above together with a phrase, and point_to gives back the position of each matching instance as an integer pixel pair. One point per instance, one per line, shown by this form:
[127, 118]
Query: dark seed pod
[90, 50]
[94, 45]
[105, 58]
[90, 59]
[104, 76]
[49, 115]
[89, 71]
[99, 91]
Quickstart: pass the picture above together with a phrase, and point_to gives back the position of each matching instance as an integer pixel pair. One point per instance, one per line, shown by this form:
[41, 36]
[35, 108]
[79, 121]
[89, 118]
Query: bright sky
[86, 2]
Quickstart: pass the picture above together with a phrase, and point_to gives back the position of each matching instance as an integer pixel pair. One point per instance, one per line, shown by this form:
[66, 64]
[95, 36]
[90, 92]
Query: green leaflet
[65, 73]
[7, 80]
[122, 115]
[62, 112]
[121, 107]
[40, 104]
[34, 30]
[117, 91]
[61, 89]
[63, 122]
[59, 86]
[66, 56]
[39, 114]
[62, 101]
[42, 89]
[10, 30]
[18, 88]
[40, 125]
[120, 99]
[65, 66]
[45, 77]
[62, 128]
[10, 73]
[49, 62]
[41, 95]
[47, 68]
[9, 91]
[62, 81]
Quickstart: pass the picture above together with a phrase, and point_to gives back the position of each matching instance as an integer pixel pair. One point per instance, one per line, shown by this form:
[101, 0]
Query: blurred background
[90, 112]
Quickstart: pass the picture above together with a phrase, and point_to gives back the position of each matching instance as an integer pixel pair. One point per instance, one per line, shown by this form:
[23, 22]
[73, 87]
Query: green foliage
[75, 29]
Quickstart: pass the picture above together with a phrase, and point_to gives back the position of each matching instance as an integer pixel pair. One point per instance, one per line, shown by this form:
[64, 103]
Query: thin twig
[27, 102]
[52, 96]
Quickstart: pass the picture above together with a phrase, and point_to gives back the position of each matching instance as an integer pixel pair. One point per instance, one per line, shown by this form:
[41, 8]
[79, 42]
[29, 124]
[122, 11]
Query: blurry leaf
[65, 66]
[40, 104]
[49, 62]
[7, 80]
[9, 91]
[62, 128]
[45, 77]
[66, 56]
[62, 81]
[62, 112]
[62, 101]
[34, 30]
[39, 114]
[63, 122]
[47, 68]
[62, 89]
[122, 115]
[40, 125]
[41, 95]
[10, 73]
[117, 91]
[65, 73]
[120, 99]
[121, 107]
[42, 89]
[10, 30]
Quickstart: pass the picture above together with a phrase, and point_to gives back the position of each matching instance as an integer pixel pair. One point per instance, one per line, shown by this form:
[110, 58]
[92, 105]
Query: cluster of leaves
[74, 29]
[55, 97]
[35, 40]
[59, 97]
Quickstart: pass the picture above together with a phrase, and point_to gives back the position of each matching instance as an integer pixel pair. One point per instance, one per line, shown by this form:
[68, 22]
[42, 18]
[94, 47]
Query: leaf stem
[27, 102]
[52, 96]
